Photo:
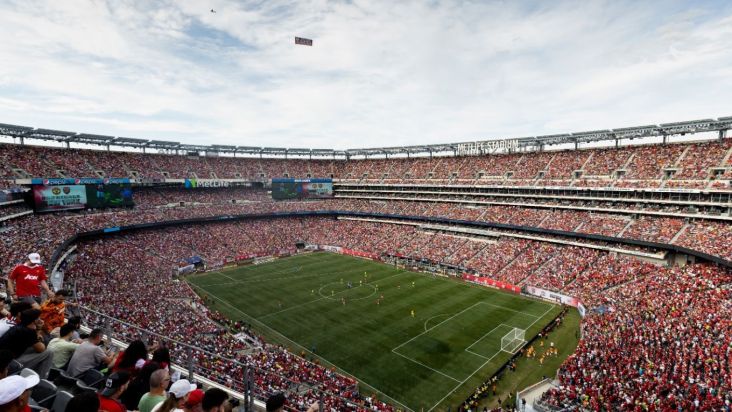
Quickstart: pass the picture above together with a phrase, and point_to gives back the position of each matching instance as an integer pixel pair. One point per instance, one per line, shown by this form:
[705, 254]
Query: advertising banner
[486, 281]
[335, 249]
[196, 183]
[80, 181]
[557, 297]
[367, 255]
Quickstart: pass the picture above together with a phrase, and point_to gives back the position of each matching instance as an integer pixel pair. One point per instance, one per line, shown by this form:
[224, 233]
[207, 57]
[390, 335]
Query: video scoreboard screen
[69, 194]
[283, 189]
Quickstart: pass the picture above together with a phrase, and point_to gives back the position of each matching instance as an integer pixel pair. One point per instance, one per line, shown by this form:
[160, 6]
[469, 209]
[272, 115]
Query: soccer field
[428, 360]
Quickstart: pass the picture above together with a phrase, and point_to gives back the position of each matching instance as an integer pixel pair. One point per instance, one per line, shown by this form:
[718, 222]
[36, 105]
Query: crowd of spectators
[663, 343]
[714, 238]
[145, 261]
[598, 278]
[643, 166]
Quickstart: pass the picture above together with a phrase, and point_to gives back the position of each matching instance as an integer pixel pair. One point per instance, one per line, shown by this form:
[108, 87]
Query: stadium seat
[83, 387]
[44, 393]
[65, 382]
[92, 379]
[25, 372]
[62, 399]
[53, 373]
[14, 367]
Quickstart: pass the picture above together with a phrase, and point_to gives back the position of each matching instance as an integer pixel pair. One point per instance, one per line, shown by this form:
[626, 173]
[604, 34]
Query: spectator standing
[89, 355]
[27, 279]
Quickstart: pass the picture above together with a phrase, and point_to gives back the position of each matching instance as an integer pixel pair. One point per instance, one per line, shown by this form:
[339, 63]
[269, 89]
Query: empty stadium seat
[60, 402]
[44, 393]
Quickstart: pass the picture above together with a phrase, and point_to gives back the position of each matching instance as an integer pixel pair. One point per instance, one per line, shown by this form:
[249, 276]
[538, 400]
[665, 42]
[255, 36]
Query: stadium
[575, 271]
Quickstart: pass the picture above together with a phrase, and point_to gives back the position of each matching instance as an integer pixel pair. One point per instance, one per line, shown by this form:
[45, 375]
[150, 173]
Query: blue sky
[380, 73]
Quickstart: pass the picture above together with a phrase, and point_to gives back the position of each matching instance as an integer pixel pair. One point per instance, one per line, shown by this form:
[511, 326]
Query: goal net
[513, 340]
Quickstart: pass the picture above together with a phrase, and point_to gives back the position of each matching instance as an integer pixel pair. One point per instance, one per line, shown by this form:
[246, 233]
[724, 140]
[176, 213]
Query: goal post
[513, 340]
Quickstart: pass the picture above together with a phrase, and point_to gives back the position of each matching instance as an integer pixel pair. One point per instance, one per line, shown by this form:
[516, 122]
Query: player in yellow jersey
[412, 312]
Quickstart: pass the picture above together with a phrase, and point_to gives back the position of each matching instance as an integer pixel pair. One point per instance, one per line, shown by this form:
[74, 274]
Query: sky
[380, 73]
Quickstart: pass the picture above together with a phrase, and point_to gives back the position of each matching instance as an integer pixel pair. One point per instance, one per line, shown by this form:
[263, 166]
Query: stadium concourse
[657, 336]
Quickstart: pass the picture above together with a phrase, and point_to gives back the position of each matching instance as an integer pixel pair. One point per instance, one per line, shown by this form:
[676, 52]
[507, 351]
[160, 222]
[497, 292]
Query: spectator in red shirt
[27, 279]
[114, 387]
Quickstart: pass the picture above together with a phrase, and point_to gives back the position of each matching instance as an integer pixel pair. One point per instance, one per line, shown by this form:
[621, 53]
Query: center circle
[336, 291]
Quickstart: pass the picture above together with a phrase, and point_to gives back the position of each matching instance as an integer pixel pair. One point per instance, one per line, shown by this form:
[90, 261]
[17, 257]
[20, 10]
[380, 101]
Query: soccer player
[413, 284]
[27, 279]
[412, 312]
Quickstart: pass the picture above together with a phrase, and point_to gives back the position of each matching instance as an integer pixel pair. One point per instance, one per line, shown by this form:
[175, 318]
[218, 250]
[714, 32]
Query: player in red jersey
[27, 279]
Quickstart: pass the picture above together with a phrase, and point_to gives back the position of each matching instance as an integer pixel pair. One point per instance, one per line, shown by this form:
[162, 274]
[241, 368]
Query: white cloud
[380, 73]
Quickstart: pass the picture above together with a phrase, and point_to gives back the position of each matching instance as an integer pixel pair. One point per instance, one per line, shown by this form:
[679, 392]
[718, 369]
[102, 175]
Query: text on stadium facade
[476, 148]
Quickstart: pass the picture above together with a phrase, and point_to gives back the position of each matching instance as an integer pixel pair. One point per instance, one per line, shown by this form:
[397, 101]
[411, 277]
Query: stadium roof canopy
[522, 143]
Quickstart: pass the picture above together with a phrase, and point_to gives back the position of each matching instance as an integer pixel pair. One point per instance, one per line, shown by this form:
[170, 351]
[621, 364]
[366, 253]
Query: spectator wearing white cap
[177, 396]
[27, 279]
[15, 392]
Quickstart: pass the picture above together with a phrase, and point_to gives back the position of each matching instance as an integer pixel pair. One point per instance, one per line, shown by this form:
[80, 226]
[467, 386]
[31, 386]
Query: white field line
[483, 337]
[464, 310]
[466, 349]
[307, 350]
[219, 273]
[436, 316]
[416, 336]
[481, 366]
[321, 298]
[425, 366]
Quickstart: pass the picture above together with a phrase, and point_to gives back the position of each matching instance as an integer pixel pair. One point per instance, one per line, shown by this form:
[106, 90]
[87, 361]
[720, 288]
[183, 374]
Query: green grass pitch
[427, 361]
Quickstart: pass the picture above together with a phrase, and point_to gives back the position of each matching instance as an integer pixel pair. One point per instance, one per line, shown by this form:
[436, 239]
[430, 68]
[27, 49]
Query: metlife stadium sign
[478, 148]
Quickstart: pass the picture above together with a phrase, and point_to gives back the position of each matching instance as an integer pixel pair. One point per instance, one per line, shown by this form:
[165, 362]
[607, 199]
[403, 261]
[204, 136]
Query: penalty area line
[481, 366]
[424, 366]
